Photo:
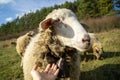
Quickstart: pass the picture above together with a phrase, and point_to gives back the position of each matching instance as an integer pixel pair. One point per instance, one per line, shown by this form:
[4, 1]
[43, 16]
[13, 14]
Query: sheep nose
[86, 39]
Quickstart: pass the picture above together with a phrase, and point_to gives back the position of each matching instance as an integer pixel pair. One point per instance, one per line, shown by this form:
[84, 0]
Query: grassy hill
[106, 69]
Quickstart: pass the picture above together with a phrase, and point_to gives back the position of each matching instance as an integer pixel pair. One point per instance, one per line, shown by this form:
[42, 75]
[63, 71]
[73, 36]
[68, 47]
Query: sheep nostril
[83, 40]
[86, 40]
[88, 43]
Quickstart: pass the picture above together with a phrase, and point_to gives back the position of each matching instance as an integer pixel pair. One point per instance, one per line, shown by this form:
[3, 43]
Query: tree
[87, 8]
[82, 8]
[105, 6]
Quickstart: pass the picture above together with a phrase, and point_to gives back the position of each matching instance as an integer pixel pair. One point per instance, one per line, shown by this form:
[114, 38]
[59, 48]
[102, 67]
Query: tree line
[82, 8]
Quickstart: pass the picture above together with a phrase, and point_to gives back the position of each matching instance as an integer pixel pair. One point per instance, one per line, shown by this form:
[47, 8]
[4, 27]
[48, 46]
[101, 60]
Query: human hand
[50, 73]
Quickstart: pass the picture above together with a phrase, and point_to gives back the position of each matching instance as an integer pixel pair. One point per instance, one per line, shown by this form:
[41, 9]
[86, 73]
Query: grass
[106, 69]
[9, 62]
[109, 67]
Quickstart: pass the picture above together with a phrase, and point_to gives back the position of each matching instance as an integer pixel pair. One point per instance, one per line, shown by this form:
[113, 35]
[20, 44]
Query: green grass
[9, 63]
[109, 67]
[106, 69]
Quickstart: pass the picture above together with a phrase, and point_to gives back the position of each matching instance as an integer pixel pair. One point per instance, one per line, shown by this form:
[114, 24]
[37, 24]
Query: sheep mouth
[86, 47]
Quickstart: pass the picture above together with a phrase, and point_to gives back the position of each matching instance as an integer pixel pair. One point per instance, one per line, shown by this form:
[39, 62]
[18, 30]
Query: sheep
[13, 43]
[96, 46]
[5, 45]
[22, 42]
[69, 32]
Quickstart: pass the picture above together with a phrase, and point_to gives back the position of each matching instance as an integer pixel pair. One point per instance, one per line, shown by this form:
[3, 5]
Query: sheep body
[38, 50]
[68, 31]
[22, 42]
[28, 59]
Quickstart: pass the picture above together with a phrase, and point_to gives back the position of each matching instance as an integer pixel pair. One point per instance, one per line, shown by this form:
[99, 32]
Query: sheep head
[30, 33]
[68, 29]
[97, 50]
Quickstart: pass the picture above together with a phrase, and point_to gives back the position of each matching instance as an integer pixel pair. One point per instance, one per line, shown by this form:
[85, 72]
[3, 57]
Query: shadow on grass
[105, 72]
[105, 55]
[110, 54]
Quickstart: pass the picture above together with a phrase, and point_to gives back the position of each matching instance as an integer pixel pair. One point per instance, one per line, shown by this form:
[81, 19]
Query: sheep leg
[85, 57]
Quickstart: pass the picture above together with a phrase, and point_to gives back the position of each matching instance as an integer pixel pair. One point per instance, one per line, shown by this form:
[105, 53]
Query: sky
[10, 9]
[116, 6]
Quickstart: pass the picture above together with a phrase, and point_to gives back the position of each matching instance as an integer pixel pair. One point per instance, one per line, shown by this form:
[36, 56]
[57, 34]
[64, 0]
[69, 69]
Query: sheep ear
[46, 23]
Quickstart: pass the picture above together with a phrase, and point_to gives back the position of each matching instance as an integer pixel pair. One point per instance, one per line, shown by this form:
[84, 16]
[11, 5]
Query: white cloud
[9, 19]
[19, 15]
[5, 1]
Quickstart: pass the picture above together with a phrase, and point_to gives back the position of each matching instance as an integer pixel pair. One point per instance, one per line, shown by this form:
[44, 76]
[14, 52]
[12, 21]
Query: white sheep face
[69, 30]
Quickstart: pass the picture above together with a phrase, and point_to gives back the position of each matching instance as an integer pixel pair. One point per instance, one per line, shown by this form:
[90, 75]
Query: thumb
[35, 75]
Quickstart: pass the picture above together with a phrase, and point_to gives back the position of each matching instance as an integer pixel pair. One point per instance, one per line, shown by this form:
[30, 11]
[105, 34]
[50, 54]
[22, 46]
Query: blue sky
[10, 9]
[116, 6]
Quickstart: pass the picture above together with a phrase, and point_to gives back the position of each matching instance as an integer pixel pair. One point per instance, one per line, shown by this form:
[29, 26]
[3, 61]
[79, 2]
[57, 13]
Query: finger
[55, 67]
[51, 69]
[47, 68]
[56, 72]
[35, 75]
[35, 67]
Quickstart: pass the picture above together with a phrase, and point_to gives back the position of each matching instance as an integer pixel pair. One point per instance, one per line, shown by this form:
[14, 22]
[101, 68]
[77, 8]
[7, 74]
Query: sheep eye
[57, 20]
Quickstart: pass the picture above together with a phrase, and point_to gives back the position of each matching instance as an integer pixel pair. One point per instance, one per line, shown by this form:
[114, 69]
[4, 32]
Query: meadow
[106, 69]
[9, 62]
[109, 67]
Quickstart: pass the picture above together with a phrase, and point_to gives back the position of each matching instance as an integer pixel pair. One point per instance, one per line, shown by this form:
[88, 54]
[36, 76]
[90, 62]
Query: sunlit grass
[109, 67]
[9, 63]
